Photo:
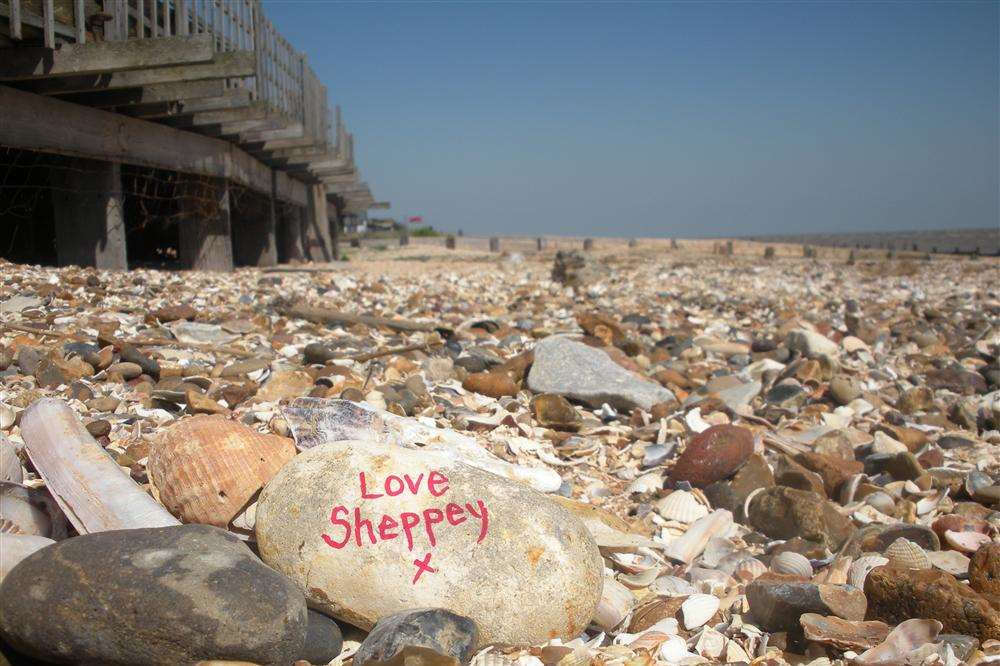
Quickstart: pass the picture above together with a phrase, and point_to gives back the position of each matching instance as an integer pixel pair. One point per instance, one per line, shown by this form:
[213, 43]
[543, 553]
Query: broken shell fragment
[966, 542]
[861, 567]
[749, 569]
[617, 601]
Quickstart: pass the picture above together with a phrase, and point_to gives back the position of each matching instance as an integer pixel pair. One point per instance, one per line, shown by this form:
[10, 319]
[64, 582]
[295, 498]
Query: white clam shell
[672, 586]
[698, 609]
[749, 569]
[861, 567]
[639, 580]
[681, 506]
[792, 563]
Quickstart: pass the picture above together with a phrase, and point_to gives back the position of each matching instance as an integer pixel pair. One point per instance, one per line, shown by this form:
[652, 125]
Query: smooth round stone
[507, 557]
[168, 595]
[324, 640]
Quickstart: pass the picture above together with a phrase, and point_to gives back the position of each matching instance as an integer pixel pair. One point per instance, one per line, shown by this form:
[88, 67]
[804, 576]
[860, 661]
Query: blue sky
[667, 118]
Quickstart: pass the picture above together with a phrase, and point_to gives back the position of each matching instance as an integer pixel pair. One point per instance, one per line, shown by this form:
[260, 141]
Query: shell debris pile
[708, 458]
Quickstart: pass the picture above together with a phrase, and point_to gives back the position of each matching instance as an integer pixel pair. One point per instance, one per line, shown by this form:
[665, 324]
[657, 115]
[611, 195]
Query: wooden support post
[539, 243]
[205, 234]
[293, 228]
[15, 20]
[317, 225]
[89, 218]
[588, 244]
[335, 219]
[254, 242]
[494, 244]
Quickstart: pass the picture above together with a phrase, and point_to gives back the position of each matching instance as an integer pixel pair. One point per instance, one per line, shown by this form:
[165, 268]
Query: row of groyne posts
[172, 132]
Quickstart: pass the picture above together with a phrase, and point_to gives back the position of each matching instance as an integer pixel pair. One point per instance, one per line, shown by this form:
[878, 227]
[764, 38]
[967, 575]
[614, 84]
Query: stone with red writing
[369, 530]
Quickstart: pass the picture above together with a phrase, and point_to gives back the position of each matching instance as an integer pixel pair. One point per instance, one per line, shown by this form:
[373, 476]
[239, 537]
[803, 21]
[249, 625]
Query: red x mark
[422, 566]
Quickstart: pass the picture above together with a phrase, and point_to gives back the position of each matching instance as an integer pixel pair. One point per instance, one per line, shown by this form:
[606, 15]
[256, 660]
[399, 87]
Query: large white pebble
[536, 573]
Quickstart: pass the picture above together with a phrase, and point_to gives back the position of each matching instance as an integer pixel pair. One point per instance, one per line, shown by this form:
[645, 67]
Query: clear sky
[667, 118]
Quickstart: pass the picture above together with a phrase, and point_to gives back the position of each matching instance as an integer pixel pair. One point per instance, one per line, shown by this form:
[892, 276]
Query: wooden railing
[284, 83]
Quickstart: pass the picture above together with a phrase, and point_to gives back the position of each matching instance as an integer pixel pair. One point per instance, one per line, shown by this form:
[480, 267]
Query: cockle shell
[907, 554]
[749, 569]
[681, 506]
[207, 468]
[792, 563]
[861, 567]
[698, 609]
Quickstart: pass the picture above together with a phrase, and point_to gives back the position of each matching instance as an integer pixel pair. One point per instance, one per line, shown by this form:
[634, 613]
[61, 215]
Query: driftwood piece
[85, 481]
[334, 317]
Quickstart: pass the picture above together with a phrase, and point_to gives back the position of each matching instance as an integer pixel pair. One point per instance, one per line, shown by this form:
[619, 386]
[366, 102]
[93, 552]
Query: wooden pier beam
[89, 218]
[205, 231]
[317, 225]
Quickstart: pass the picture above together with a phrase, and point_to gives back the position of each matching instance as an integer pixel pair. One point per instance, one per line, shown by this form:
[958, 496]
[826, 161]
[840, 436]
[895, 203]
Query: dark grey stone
[168, 595]
[440, 631]
[324, 641]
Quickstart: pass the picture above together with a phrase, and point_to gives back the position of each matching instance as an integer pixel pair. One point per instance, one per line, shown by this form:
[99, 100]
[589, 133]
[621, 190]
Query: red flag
[416, 219]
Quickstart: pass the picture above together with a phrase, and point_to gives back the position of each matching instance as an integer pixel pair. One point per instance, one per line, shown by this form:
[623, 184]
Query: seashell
[681, 506]
[492, 659]
[976, 481]
[639, 580]
[617, 601]
[10, 464]
[674, 651]
[749, 569]
[711, 581]
[29, 511]
[881, 501]
[698, 609]
[906, 637]
[7, 416]
[907, 554]
[207, 468]
[966, 542]
[16, 547]
[711, 644]
[579, 657]
[673, 586]
[850, 488]
[931, 502]
[950, 561]
[648, 640]
[690, 545]
[645, 484]
[957, 523]
[859, 569]
[792, 563]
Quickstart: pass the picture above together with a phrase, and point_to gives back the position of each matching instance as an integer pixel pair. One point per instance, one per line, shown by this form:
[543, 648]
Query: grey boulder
[572, 369]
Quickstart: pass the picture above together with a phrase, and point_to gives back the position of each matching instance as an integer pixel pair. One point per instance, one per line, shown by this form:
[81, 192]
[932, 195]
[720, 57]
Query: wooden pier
[205, 91]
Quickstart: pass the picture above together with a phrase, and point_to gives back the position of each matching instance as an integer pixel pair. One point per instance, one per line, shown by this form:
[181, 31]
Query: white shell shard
[673, 586]
[792, 563]
[639, 580]
[699, 609]
[901, 641]
[861, 567]
[16, 547]
[10, 464]
[690, 545]
[682, 506]
[21, 513]
[617, 601]
[950, 561]
[966, 542]
[315, 421]
[749, 569]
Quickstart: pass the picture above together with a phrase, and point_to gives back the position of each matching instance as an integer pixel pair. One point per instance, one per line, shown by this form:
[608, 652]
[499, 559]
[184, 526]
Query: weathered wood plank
[233, 98]
[49, 29]
[103, 57]
[86, 132]
[157, 93]
[234, 64]
[79, 21]
[289, 132]
[15, 19]
[345, 188]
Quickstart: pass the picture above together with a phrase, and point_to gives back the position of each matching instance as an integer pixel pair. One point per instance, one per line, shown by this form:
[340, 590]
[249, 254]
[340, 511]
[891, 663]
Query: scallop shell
[859, 569]
[966, 542]
[617, 601]
[672, 586]
[698, 609]
[907, 554]
[749, 569]
[207, 468]
[10, 464]
[681, 506]
[881, 501]
[792, 563]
